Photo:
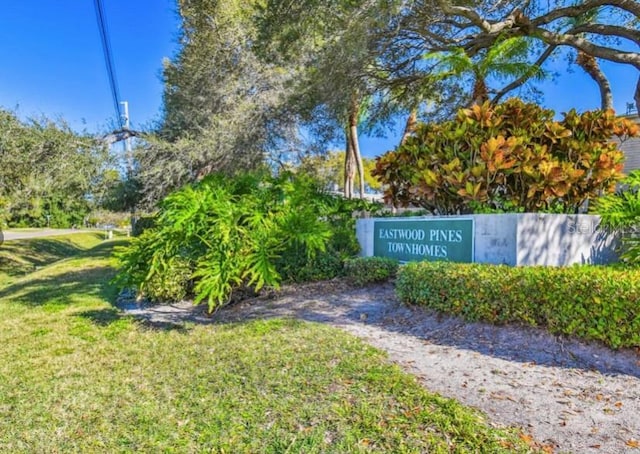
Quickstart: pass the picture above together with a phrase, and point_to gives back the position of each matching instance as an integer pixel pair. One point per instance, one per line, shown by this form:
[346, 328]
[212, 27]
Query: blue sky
[52, 64]
[52, 61]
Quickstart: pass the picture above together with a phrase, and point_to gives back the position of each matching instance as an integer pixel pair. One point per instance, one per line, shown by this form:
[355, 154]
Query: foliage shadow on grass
[102, 249]
[110, 315]
[20, 257]
[101, 317]
[164, 326]
[61, 287]
[93, 281]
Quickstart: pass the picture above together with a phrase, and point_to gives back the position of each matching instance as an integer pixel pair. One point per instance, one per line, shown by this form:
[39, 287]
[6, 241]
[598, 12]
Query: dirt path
[574, 397]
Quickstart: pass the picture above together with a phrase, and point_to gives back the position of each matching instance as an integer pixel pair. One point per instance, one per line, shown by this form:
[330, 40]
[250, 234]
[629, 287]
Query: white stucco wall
[558, 239]
[524, 238]
[495, 238]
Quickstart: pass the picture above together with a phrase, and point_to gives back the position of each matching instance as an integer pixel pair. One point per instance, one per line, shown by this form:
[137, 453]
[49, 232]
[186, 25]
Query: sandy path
[574, 397]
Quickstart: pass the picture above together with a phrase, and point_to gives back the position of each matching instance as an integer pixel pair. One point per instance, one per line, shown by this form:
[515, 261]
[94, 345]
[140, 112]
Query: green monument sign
[424, 239]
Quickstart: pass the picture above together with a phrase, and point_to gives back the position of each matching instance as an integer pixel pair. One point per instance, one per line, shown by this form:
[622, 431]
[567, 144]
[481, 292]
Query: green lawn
[18, 258]
[76, 376]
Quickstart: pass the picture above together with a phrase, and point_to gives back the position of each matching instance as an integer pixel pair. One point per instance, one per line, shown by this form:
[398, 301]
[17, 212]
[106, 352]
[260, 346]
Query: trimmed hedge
[367, 270]
[591, 302]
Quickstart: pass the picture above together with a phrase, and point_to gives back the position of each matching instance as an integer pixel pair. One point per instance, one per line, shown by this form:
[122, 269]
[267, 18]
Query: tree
[590, 64]
[250, 76]
[116, 192]
[506, 59]
[610, 28]
[328, 169]
[469, 33]
[48, 171]
[222, 106]
[332, 44]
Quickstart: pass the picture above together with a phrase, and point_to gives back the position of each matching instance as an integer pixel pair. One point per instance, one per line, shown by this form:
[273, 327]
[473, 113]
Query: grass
[77, 376]
[20, 257]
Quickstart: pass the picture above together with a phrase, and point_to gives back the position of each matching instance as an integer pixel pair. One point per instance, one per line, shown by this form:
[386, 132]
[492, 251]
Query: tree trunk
[636, 97]
[591, 67]
[410, 127]
[354, 115]
[349, 166]
[480, 92]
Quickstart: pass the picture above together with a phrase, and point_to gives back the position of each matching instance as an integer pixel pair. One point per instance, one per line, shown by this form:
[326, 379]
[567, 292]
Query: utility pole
[129, 157]
[127, 142]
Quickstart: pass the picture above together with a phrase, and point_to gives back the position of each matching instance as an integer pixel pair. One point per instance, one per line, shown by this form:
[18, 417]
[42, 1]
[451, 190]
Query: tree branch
[119, 135]
[521, 80]
[591, 67]
[608, 30]
[606, 53]
[476, 19]
[631, 6]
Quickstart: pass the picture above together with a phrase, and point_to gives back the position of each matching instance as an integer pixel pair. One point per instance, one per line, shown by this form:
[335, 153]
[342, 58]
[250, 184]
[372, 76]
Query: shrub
[591, 302]
[173, 284]
[621, 211]
[367, 270]
[244, 232]
[98, 218]
[505, 158]
[323, 266]
[141, 224]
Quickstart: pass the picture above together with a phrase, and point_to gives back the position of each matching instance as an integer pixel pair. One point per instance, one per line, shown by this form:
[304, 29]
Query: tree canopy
[258, 82]
[591, 29]
[49, 173]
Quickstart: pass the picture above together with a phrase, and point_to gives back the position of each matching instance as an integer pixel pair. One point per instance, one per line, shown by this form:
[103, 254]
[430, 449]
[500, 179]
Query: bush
[141, 224]
[367, 270]
[621, 211]
[323, 266]
[591, 302]
[174, 284]
[510, 157]
[244, 232]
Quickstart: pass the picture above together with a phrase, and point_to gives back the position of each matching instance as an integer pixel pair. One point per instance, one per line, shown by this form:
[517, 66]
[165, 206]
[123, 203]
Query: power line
[108, 58]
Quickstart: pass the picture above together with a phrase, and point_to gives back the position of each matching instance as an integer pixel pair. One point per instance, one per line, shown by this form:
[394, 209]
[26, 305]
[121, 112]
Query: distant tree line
[51, 175]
